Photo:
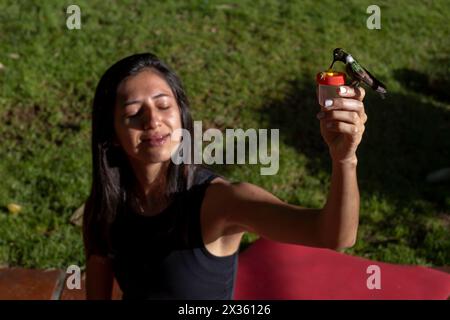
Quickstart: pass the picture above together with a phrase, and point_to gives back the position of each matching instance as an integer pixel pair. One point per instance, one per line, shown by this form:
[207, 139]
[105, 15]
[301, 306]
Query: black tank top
[164, 257]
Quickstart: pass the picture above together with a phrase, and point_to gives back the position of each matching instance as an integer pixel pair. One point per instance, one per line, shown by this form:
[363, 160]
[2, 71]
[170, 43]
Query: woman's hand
[342, 123]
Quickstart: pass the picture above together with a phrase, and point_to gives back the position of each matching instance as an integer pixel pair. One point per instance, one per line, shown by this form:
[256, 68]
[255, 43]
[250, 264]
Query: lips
[155, 140]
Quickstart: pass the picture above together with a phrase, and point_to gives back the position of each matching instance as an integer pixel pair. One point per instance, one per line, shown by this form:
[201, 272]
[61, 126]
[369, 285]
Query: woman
[169, 231]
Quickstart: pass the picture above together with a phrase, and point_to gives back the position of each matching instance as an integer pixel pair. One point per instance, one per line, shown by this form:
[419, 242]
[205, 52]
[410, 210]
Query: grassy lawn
[244, 66]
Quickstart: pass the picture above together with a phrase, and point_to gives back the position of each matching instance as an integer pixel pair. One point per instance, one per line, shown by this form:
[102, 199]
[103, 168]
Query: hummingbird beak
[332, 64]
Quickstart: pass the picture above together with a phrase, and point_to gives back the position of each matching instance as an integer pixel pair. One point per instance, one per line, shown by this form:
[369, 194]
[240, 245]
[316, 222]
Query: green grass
[246, 66]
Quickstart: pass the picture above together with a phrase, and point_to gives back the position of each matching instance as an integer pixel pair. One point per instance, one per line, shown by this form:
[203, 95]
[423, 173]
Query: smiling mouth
[156, 141]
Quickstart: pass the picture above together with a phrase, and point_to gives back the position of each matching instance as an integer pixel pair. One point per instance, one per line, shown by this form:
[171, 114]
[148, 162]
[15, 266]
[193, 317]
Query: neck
[149, 176]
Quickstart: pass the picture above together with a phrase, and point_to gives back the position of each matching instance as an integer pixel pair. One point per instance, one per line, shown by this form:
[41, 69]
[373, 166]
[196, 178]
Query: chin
[150, 156]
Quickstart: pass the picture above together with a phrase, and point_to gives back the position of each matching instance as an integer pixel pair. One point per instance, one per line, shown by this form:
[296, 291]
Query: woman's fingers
[343, 121]
[351, 117]
[351, 92]
[347, 104]
[346, 114]
[364, 118]
[343, 127]
[344, 104]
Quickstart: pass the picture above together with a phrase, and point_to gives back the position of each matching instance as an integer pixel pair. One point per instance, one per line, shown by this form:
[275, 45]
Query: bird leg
[355, 84]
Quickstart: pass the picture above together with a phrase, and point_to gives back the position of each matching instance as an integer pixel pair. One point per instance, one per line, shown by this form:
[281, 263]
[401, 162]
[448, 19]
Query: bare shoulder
[213, 207]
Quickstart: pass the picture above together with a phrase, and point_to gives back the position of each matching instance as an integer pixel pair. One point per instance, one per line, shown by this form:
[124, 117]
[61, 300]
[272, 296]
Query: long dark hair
[112, 176]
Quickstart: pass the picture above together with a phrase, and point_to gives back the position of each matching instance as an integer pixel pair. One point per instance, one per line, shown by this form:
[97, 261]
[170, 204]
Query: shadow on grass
[434, 85]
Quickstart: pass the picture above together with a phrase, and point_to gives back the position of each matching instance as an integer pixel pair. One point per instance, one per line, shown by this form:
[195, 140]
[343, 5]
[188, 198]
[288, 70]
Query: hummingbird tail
[381, 89]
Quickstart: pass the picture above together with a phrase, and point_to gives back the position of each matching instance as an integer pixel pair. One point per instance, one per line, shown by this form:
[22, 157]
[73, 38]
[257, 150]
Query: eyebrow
[159, 95]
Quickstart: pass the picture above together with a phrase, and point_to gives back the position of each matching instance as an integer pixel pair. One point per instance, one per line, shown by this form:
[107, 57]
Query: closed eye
[133, 114]
[164, 106]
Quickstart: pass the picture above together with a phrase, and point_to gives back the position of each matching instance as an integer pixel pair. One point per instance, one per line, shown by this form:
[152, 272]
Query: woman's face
[145, 117]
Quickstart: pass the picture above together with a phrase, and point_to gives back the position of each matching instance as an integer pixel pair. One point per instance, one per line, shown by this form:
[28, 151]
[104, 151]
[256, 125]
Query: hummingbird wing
[377, 84]
[361, 74]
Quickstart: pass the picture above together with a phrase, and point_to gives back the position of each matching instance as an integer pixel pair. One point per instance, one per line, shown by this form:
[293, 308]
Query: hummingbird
[357, 72]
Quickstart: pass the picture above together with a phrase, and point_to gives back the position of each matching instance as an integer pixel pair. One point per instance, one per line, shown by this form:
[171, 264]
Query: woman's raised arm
[246, 207]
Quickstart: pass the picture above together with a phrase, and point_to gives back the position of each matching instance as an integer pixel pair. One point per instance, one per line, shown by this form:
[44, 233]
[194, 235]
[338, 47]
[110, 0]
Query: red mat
[273, 270]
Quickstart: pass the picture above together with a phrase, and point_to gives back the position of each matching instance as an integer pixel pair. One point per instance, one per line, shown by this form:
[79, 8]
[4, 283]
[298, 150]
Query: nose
[151, 118]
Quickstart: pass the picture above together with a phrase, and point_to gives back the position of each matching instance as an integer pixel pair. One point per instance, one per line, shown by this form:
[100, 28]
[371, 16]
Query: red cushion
[274, 270]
